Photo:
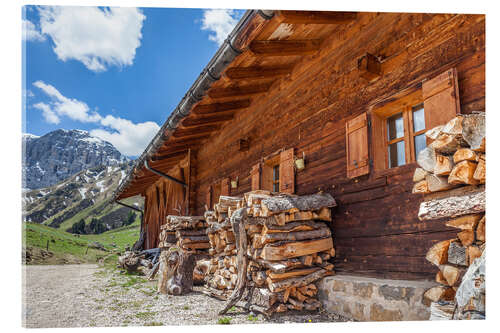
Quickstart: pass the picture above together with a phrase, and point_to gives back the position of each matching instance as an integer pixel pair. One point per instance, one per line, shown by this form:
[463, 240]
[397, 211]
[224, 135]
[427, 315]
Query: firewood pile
[186, 232]
[145, 261]
[283, 245]
[455, 158]
[223, 269]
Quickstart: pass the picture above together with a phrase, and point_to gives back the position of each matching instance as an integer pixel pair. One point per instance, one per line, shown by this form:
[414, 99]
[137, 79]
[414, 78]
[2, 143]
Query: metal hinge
[369, 123]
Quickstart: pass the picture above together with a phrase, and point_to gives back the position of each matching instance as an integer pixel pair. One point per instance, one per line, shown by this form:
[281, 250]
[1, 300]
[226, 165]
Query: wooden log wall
[377, 232]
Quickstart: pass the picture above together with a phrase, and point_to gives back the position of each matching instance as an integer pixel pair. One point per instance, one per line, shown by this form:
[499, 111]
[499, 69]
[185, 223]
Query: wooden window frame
[268, 165]
[403, 103]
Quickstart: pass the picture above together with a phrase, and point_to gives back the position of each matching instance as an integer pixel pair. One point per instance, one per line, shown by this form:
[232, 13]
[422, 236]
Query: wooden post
[188, 182]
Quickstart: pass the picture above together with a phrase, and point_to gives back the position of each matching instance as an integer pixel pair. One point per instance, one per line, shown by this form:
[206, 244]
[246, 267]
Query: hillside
[60, 154]
[85, 195]
[64, 248]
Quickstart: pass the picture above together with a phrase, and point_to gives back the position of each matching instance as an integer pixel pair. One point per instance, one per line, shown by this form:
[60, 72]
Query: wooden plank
[284, 47]
[295, 249]
[257, 72]
[240, 90]
[316, 17]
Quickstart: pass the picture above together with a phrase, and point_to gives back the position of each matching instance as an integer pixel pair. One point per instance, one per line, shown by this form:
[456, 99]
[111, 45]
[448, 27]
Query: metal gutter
[226, 53]
[136, 209]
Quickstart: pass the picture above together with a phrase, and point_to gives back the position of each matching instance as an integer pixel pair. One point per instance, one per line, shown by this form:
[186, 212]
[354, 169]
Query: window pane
[396, 154]
[420, 143]
[395, 127]
[418, 117]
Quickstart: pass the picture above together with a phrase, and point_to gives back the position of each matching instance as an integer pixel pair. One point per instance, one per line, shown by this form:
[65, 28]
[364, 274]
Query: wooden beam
[316, 17]
[239, 90]
[158, 157]
[257, 72]
[206, 120]
[285, 47]
[220, 107]
[369, 67]
[195, 131]
[178, 143]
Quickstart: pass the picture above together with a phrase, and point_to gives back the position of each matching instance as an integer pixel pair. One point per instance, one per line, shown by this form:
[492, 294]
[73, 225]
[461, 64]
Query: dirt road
[89, 295]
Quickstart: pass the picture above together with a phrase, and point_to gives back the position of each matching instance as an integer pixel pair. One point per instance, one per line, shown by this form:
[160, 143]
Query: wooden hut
[349, 96]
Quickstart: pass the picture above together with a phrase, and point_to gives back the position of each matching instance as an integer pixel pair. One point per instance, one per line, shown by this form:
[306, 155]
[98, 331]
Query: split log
[470, 203]
[438, 253]
[480, 230]
[292, 227]
[298, 281]
[466, 222]
[433, 133]
[292, 204]
[281, 266]
[440, 278]
[456, 254]
[174, 222]
[472, 253]
[474, 130]
[426, 159]
[295, 236]
[265, 298]
[466, 237]
[440, 293]
[444, 165]
[259, 278]
[419, 175]
[447, 144]
[465, 154]
[463, 173]
[190, 232]
[295, 249]
[480, 172]
[437, 183]
[273, 277]
[452, 274]
[309, 290]
[421, 187]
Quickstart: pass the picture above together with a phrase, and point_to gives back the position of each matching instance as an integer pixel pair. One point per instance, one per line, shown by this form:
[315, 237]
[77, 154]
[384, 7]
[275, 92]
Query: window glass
[418, 118]
[397, 154]
[395, 127]
[276, 178]
[420, 143]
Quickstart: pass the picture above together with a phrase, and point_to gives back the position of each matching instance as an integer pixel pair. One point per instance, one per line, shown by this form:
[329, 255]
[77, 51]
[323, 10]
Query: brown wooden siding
[376, 230]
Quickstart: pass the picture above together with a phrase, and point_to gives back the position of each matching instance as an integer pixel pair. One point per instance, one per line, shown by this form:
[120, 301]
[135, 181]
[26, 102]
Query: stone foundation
[370, 299]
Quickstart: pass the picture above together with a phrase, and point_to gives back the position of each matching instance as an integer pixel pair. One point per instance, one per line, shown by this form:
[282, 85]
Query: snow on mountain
[62, 153]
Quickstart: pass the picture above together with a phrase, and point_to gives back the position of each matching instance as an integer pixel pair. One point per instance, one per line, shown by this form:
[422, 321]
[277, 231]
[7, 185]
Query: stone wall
[369, 299]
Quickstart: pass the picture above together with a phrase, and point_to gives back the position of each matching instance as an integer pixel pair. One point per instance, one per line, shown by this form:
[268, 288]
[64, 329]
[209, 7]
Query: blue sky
[117, 73]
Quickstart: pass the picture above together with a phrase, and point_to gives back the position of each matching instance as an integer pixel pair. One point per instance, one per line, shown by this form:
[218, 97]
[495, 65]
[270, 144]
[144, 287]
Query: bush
[78, 227]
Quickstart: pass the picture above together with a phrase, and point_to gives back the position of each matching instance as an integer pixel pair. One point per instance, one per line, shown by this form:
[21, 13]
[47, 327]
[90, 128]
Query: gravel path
[89, 295]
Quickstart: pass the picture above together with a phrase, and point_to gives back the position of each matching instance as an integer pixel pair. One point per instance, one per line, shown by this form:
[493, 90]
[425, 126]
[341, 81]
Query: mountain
[85, 195]
[60, 154]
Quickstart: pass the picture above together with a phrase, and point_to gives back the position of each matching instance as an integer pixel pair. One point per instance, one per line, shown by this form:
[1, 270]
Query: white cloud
[220, 22]
[63, 106]
[99, 38]
[49, 115]
[129, 138]
[31, 33]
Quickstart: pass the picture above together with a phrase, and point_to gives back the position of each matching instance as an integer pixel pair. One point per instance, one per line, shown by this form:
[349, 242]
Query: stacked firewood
[454, 158]
[186, 232]
[222, 270]
[289, 247]
[284, 245]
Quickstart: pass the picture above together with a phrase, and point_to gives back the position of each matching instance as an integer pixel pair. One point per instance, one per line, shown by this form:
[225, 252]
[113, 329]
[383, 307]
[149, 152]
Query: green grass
[153, 323]
[252, 318]
[63, 243]
[224, 321]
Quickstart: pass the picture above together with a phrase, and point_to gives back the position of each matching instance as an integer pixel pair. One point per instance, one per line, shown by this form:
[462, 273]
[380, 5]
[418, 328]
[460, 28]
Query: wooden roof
[272, 50]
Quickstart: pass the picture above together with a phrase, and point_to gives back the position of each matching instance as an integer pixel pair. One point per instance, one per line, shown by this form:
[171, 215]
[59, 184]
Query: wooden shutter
[224, 186]
[209, 198]
[441, 98]
[255, 177]
[357, 146]
[287, 172]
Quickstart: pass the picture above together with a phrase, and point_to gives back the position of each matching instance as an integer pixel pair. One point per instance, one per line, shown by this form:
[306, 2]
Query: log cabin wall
[377, 232]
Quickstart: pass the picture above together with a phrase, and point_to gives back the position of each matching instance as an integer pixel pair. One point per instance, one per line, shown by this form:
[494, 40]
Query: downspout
[159, 173]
